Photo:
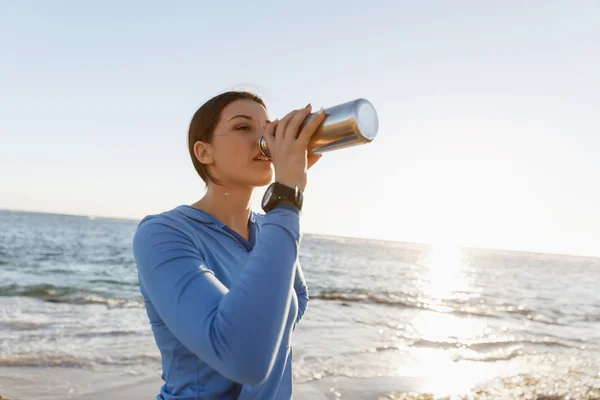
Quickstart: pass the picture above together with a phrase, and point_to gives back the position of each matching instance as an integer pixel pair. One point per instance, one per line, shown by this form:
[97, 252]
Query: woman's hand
[288, 141]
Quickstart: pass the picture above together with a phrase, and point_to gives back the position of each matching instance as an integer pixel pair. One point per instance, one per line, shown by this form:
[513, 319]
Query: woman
[222, 285]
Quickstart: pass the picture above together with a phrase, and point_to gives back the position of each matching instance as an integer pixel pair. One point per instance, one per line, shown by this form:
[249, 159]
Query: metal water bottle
[347, 124]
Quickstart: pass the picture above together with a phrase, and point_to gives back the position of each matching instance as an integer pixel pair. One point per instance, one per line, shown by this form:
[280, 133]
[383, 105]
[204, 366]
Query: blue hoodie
[222, 308]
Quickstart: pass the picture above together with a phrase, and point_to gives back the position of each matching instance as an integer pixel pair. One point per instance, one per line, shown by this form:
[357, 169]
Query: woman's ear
[203, 152]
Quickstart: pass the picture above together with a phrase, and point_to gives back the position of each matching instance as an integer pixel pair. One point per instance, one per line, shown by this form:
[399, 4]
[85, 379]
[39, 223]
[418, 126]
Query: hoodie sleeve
[237, 331]
[300, 286]
[301, 290]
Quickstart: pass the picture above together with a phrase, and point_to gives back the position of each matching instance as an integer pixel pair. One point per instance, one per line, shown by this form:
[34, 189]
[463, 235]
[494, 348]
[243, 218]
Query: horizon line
[130, 219]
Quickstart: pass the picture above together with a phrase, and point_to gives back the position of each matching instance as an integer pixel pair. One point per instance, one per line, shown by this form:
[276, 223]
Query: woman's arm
[301, 291]
[237, 331]
[299, 282]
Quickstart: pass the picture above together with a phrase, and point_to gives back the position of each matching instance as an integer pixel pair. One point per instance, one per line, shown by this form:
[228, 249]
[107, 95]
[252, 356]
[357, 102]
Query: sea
[460, 323]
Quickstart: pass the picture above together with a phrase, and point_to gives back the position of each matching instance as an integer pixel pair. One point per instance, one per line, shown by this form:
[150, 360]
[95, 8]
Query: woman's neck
[231, 205]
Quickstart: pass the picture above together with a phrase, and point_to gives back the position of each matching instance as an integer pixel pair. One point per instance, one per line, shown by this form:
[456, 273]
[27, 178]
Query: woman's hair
[205, 120]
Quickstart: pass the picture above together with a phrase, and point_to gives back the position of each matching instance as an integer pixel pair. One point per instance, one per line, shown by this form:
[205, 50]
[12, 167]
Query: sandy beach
[56, 383]
[50, 383]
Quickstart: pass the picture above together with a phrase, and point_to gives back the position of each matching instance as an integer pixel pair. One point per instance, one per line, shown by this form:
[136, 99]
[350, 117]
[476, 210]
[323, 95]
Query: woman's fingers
[293, 128]
[290, 144]
[283, 124]
[311, 127]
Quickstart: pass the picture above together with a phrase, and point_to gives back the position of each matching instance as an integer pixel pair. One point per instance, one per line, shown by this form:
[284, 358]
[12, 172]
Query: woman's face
[234, 149]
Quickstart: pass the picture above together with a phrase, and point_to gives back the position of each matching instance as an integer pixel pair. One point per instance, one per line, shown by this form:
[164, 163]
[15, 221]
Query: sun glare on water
[445, 272]
[445, 285]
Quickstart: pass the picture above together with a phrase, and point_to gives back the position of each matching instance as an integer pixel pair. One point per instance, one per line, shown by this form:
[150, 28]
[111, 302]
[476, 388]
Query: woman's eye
[243, 128]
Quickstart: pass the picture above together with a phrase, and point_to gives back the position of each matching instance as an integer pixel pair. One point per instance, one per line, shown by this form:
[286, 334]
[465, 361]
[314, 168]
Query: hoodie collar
[206, 218]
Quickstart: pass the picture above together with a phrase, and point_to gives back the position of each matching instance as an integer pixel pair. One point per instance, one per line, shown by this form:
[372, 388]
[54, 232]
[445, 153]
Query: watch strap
[280, 194]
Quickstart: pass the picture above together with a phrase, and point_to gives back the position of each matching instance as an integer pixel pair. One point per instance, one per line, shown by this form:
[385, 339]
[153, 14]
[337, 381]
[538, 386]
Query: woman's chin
[263, 180]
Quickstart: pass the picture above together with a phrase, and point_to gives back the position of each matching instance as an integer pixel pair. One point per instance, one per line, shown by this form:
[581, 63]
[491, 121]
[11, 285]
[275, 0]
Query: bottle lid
[366, 119]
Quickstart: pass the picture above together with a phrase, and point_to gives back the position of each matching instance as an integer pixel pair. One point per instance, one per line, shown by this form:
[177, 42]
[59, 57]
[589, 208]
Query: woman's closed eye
[243, 127]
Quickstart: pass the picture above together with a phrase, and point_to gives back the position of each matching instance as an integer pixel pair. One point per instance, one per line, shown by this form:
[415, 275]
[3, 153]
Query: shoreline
[57, 383]
[51, 383]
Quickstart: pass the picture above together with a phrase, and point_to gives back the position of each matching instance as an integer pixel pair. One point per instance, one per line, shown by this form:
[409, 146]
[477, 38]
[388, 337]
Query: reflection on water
[446, 274]
[445, 334]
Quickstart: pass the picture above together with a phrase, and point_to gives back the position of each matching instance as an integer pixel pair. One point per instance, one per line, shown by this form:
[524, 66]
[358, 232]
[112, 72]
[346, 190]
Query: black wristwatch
[277, 192]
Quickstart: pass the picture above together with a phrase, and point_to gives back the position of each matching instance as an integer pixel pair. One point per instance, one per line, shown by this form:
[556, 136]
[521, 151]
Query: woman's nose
[260, 132]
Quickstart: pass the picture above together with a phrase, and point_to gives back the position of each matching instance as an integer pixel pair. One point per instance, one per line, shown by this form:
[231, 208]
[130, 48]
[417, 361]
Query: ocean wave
[109, 333]
[114, 282]
[509, 354]
[378, 298]
[95, 299]
[25, 325]
[388, 299]
[69, 295]
[40, 291]
[491, 345]
[491, 351]
[43, 361]
[387, 348]
[72, 362]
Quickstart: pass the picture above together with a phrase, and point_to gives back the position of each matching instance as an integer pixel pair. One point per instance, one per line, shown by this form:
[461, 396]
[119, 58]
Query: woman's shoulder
[168, 217]
[177, 225]
[182, 219]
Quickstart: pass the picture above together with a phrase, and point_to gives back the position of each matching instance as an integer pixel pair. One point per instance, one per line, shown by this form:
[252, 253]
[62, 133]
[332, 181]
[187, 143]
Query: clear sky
[489, 111]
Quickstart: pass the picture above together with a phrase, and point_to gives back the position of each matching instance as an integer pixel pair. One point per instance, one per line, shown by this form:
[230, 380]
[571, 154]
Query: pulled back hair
[204, 121]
